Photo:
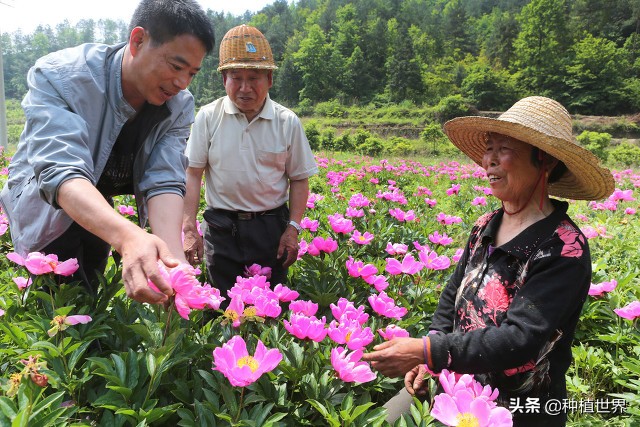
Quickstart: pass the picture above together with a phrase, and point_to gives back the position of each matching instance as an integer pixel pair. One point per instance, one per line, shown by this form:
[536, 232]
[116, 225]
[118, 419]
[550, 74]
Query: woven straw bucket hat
[546, 124]
[245, 47]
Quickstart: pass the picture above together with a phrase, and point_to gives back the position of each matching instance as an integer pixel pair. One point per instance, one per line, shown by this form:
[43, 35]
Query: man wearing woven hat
[508, 314]
[256, 158]
[107, 120]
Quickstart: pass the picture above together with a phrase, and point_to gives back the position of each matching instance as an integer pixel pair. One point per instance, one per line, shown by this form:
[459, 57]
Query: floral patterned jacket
[508, 314]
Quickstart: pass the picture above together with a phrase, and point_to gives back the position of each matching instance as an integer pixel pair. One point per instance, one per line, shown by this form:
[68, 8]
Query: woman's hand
[415, 380]
[396, 357]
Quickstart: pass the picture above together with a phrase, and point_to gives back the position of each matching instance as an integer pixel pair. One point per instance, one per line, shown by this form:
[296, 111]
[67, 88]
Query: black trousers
[231, 244]
[91, 252]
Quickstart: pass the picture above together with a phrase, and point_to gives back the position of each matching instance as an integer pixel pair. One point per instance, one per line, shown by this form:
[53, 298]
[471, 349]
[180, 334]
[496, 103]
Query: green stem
[166, 327]
[240, 406]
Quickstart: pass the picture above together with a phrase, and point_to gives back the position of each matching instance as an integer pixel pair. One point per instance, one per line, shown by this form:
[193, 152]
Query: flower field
[380, 239]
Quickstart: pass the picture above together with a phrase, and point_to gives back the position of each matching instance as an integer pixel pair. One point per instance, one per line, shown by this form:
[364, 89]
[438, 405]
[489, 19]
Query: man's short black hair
[166, 19]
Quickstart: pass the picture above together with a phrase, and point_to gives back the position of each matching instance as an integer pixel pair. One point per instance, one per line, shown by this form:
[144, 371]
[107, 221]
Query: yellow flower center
[58, 321]
[347, 337]
[231, 314]
[248, 361]
[15, 379]
[250, 312]
[467, 420]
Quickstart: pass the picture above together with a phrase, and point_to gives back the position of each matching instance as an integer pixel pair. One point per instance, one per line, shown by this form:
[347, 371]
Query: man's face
[248, 89]
[159, 72]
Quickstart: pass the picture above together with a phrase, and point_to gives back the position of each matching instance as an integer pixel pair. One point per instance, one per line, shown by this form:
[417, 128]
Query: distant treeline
[584, 53]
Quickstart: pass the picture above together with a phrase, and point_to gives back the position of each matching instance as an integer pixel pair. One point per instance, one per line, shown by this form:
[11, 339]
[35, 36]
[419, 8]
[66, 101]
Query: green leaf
[132, 369]
[77, 354]
[120, 368]
[51, 348]
[7, 407]
[124, 391]
[151, 363]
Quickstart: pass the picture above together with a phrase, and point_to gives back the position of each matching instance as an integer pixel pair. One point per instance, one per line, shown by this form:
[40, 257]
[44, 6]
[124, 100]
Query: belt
[247, 216]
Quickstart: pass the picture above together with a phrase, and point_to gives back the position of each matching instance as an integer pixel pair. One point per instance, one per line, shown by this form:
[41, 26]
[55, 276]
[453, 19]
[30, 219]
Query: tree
[595, 76]
[315, 59]
[488, 88]
[357, 83]
[544, 35]
[403, 68]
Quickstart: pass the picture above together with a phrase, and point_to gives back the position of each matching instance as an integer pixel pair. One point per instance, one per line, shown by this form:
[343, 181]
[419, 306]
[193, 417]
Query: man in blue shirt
[103, 121]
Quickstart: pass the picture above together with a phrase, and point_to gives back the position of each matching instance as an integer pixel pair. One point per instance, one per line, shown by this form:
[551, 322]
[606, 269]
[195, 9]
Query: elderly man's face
[512, 175]
[248, 89]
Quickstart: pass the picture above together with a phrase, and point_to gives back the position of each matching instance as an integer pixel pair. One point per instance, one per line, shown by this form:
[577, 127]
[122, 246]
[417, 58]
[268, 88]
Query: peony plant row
[380, 239]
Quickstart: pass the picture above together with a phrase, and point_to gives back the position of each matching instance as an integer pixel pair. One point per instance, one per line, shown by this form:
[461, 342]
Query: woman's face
[512, 175]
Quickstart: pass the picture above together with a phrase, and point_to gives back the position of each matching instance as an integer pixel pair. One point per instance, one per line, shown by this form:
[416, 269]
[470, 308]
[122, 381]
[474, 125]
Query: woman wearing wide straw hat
[508, 313]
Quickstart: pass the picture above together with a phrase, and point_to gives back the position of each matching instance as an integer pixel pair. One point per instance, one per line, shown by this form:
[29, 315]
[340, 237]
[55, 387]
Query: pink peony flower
[377, 281]
[354, 213]
[126, 210]
[624, 195]
[284, 293]
[22, 282]
[361, 239]
[456, 257]
[359, 268]
[340, 224]
[241, 369]
[349, 367]
[432, 261]
[189, 293]
[245, 286]
[312, 199]
[350, 333]
[601, 288]
[430, 202]
[629, 311]
[396, 248]
[234, 312]
[257, 270]
[402, 216]
[320, 244]
[306, 327]
[308, 308]
[467, 402]
[454, 190]
[393, 331]
[445, 219]
[346, 311]
[409, 265]
[303, 248]
[386, 306]
[309, 224]
[60, 323]
[479, 201]
[267, 303]
[38, 263]
[359, 201]
[440, 239]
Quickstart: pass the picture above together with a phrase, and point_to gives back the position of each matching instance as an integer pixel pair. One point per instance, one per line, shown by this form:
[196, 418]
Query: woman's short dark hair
[167, 19]
[556, 173]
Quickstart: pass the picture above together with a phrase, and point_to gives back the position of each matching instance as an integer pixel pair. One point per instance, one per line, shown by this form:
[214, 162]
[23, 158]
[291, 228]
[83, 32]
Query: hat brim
[247, 65]
[584, 179]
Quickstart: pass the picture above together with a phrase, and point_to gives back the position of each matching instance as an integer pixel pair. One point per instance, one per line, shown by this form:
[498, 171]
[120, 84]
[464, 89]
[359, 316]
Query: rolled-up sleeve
[56, 135]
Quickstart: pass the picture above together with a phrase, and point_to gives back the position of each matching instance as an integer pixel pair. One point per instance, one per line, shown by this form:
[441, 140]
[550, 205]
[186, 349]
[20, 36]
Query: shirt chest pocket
[271, 166]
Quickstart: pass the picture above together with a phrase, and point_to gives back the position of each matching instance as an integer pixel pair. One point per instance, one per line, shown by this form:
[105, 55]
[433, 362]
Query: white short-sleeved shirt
[248, 165]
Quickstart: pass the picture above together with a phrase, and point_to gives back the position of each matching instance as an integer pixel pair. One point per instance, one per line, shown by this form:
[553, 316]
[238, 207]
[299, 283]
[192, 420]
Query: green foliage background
[584, 53]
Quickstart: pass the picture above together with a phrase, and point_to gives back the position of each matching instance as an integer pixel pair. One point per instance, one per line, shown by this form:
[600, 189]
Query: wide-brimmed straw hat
[245, 47]
[546, 124]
